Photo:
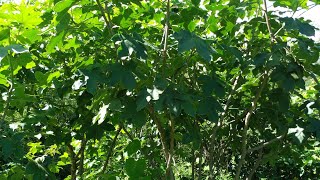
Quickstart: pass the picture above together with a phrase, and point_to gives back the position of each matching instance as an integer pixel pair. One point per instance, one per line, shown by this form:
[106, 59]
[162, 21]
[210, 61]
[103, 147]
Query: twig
[110, 150]
[266, 144]
[127, 133]
[315, 5]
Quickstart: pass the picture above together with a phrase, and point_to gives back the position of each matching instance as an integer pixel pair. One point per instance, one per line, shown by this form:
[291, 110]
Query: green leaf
[94, 77]
[123, 76]
[185, 39]
[37, 170]
[7, 147]
[3, 53]
[63, 5]
[4, 34]
[115, 105]
[192, 26]
[288, 83]
[3, 80]
[188, 41]
[296, 24]
[41, 78]
[260, 59]
[32, 35]
[209, 107]
[284, 102]
[142, 99]
[189, 108]
[53, 75]
[195, 2]
[130, 44]
[128, 80]
[135, 169]
[55, 41]
[211, 85]
[63, 18]
[133, 147]
[204, 50]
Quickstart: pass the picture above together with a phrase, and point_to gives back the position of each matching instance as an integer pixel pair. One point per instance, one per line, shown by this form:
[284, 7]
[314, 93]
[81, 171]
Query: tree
[158, 90]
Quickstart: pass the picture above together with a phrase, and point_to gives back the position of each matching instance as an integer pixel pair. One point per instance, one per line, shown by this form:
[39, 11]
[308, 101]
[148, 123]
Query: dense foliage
[158, 89]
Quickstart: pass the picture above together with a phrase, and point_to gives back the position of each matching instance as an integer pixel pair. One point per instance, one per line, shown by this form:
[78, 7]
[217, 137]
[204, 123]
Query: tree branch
[5, 111]
[261, 146]
[103, 12]
[73, 162]
[161, 132]
[166, 34]
[127, 133]
[169, 172]
[264, 80]
[267, 21]
[220, 122]
[256, 165]
[80, 155]
[110, 150]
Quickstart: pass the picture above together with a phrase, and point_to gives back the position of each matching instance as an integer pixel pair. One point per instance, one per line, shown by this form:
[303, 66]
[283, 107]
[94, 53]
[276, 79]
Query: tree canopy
[159, 89]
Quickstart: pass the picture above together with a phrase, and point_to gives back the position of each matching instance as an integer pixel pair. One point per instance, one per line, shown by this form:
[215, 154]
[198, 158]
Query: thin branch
[103, 12]
[261, 146]
[264, 81]
[220, 122]
[200, 162]
[161, 132]
[256, 165]
[267, 21]
[315, 5]
[110, 150]
[11, 83]
[169, 172]
[166, 34]
[127, 133]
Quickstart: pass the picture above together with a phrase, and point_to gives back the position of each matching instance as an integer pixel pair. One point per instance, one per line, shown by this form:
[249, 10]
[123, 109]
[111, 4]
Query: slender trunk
[244, 140]
[81, 156]
[218, 125]
[193, 159]
[73, 158]
[200, 163]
